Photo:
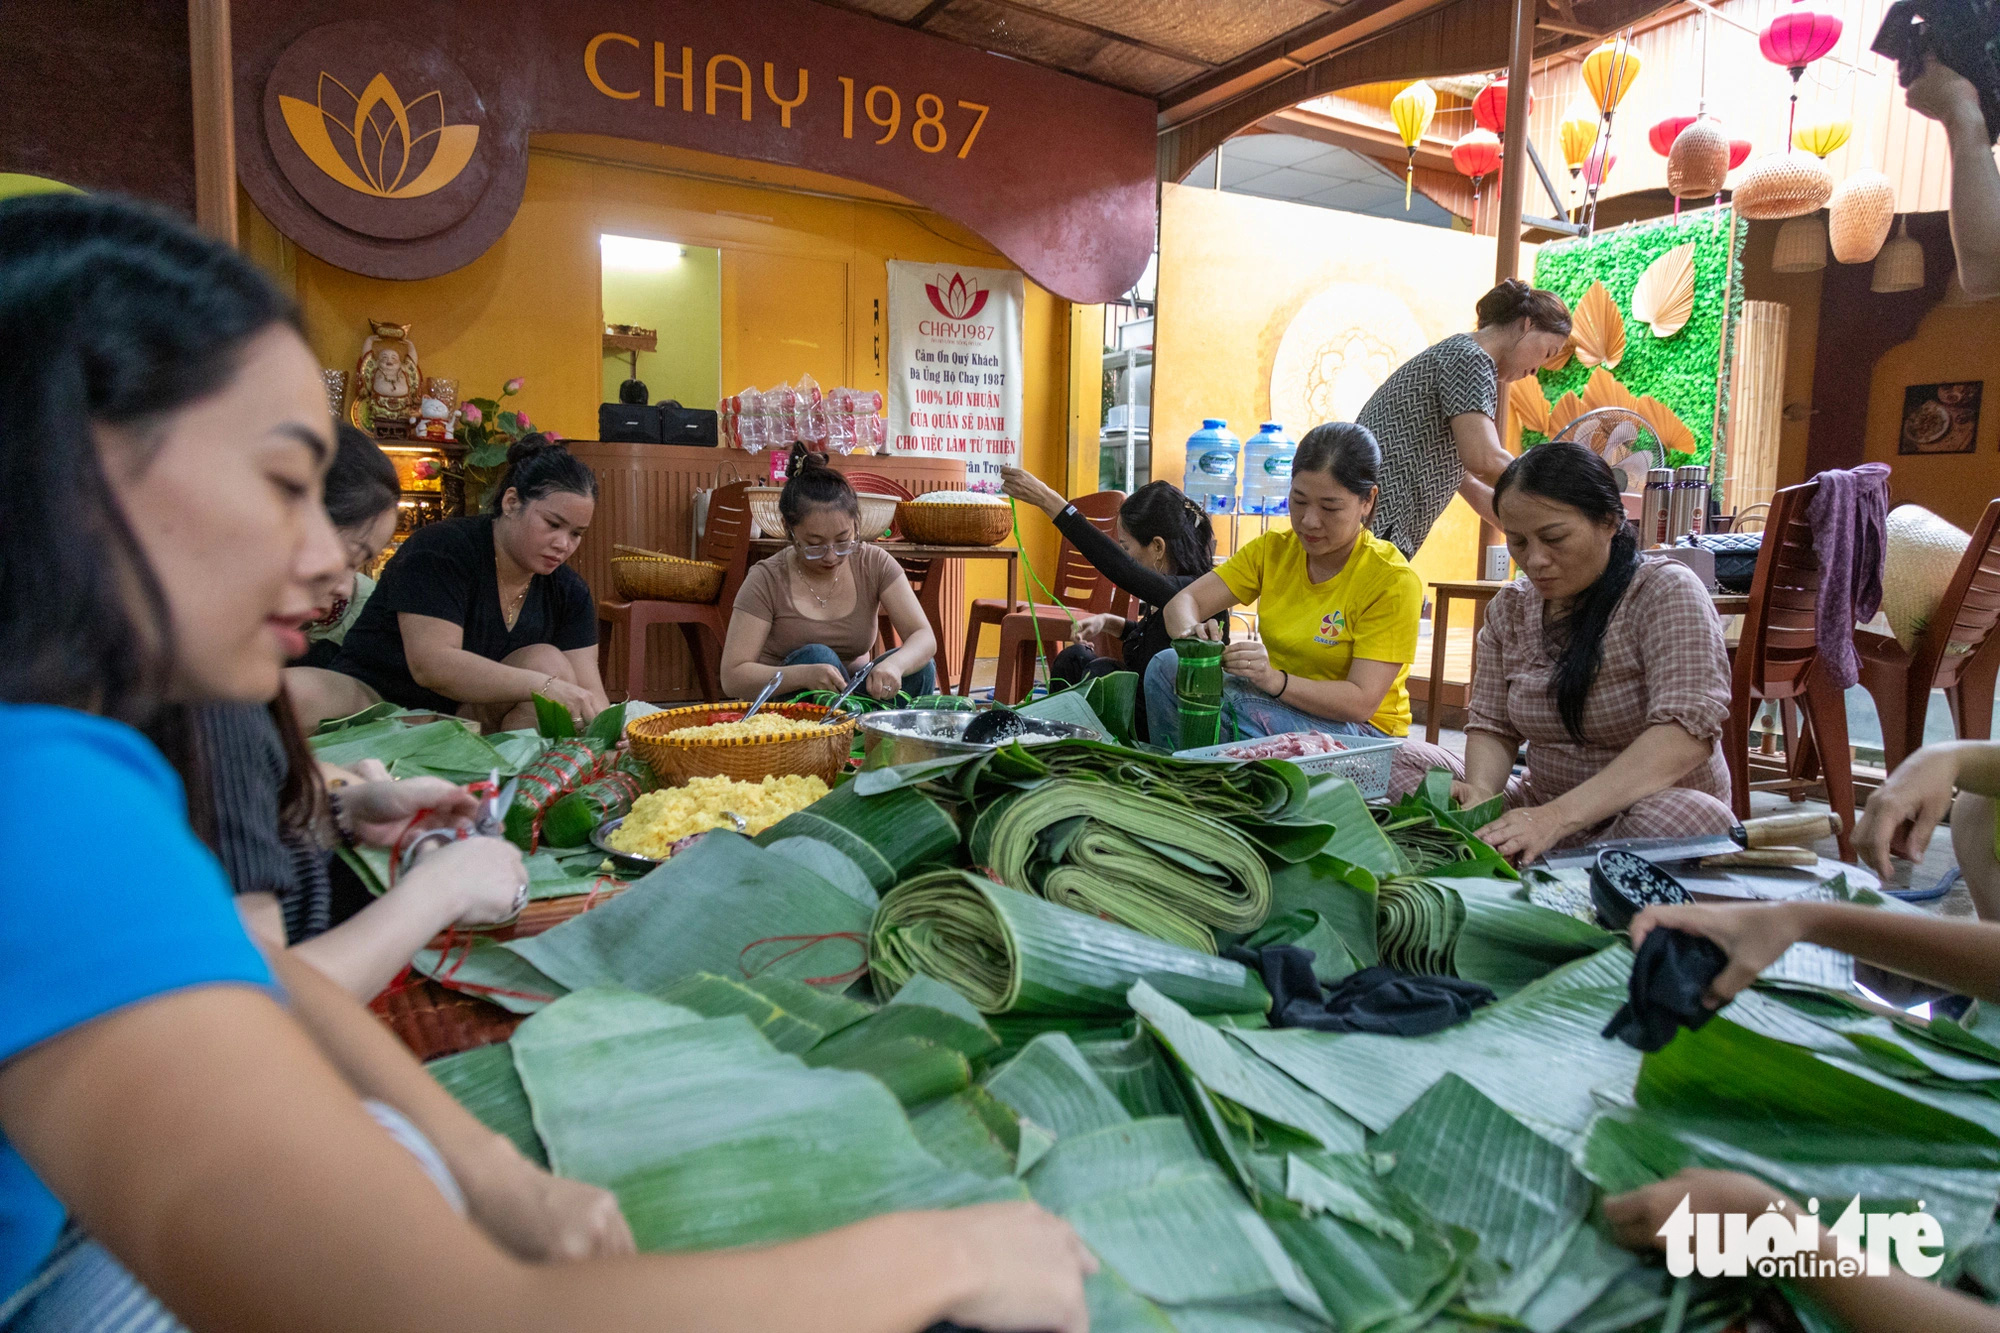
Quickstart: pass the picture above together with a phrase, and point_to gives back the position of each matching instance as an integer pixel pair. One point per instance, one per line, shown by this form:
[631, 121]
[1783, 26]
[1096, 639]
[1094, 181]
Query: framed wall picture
[1940, 418]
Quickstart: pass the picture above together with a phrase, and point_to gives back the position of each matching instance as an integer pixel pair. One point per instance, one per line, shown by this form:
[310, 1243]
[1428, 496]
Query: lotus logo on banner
[380, 140]
[956, 299]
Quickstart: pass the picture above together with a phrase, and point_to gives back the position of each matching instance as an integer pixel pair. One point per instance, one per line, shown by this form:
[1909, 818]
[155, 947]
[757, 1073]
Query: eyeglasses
[845, 548]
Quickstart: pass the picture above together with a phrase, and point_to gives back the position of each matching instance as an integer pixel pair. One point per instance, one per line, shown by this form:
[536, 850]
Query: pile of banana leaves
[881, 1003]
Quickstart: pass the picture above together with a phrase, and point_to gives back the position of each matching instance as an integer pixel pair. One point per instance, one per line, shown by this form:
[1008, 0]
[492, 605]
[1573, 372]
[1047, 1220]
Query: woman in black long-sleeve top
[1164, 542]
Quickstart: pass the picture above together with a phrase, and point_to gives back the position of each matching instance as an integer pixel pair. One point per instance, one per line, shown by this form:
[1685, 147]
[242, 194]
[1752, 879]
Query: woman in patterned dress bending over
[1610, 666]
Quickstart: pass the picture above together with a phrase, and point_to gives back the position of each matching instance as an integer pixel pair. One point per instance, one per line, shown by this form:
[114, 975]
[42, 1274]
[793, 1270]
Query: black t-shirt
[446, 570]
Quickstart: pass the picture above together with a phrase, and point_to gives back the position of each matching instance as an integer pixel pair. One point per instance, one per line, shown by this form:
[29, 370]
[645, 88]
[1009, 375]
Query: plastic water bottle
[1210, 477]
[1267, 471]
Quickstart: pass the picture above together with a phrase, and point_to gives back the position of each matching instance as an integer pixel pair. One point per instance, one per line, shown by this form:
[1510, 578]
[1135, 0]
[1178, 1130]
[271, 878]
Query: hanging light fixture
[1664, 132]
[1900, 266]
[1489, 108]
[1698, 160]
[1609, 73]
[1412, 110]
[1859, 218]
[1822, 135]
[1597, 165]
[1477, 156]
[1739, 152]
[1578, 132]
[1801, 246]
[1794, 39]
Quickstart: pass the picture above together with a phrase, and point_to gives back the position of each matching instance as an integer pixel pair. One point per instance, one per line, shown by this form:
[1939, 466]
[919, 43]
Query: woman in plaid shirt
[1610, 667]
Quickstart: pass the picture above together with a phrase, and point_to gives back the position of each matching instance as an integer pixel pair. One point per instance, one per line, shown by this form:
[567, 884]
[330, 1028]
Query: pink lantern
[1489, 108]
[1597, 166]
[1795, 39]
[1664, 132]
[1739, 153]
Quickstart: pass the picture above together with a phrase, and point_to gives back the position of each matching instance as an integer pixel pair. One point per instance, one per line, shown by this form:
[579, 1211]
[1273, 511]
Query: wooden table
[931, 597]
[1479, 592]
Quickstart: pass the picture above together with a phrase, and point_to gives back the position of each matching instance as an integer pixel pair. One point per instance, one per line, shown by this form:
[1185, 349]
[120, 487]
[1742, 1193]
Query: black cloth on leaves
[1375, 999]
[1671, 973]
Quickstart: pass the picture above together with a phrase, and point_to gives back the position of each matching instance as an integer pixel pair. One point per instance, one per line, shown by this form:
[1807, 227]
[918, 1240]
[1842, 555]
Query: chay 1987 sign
[955, 366]
[725, 82]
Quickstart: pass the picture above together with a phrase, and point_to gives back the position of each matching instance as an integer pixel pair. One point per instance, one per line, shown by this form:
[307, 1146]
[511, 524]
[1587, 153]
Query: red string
[838, 978]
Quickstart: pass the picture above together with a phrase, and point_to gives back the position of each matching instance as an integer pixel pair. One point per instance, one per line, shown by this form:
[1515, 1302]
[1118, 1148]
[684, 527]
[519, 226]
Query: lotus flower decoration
[371, 143]
[956, 299]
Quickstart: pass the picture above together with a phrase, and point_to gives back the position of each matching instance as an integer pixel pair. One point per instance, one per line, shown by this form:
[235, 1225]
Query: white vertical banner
[955, 366]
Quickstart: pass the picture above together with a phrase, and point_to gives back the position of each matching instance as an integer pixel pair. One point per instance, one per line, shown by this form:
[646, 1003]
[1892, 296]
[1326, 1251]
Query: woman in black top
[477, 615]
[1165, 542]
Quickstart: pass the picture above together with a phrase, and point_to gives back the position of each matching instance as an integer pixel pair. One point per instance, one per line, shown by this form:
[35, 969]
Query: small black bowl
[1623, 884]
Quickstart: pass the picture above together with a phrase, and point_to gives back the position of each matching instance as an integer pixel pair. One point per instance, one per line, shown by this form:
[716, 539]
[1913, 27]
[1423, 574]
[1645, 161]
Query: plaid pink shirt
[1664, 662]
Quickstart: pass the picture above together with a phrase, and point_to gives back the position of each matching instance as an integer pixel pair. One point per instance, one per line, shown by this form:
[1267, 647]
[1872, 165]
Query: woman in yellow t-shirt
[1337, 610]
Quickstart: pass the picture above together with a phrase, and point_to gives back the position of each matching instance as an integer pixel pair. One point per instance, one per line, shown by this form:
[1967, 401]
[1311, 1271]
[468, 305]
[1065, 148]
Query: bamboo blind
[1757, 409]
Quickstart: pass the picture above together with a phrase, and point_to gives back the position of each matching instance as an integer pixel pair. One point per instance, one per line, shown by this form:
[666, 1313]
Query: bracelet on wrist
[1286, 686]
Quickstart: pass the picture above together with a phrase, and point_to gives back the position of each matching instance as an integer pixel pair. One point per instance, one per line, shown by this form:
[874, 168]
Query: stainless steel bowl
[909, 735]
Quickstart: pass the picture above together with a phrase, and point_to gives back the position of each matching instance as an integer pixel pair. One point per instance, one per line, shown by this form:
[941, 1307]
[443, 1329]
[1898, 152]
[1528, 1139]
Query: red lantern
[1795, 39]
[1477, 155]
[1489, 108]
[1739, 153]
[1664, 132]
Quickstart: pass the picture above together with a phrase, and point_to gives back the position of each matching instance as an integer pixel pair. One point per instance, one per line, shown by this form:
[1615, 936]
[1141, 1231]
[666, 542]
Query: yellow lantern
[1822, 135]
[1609, 73]
[1412, 110]
[1579, 133]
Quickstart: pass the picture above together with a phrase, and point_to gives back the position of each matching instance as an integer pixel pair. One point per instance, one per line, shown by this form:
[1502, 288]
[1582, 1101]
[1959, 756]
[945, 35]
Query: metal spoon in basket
[764, 695]
[860, 678]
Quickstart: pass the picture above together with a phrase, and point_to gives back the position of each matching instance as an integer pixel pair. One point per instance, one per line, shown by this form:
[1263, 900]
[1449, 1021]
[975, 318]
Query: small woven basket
[938, 524]
[1863, 207]
[877, 511]
[1783, 185]
[675, 759]
[639, 575]
[1698, 161]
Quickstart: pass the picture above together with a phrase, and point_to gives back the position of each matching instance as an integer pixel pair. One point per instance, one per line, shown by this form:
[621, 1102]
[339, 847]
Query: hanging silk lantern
[1477, 155]
[1823, 135]
[1609, 72]
[1412, 110]
[1578, 132]
[1794, 39]
[1596, 165]
[1489, 109]
[1699, 160]
[1739, 153]
[1664, 132]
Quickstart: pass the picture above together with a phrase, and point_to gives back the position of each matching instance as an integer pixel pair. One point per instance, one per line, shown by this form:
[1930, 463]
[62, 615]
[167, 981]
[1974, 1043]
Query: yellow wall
[1955, 342]
[1236, 273]
[803, 277]
[683, 302]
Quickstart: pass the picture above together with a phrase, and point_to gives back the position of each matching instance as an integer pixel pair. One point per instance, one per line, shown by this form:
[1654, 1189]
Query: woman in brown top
[1611, 668]
[811, 612]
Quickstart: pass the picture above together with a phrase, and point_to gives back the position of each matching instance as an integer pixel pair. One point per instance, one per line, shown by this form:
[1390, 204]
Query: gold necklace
[833, 584]
[512, 611]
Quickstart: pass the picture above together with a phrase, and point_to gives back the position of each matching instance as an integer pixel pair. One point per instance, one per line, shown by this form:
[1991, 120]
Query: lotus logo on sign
[373, 143]
[956, 299]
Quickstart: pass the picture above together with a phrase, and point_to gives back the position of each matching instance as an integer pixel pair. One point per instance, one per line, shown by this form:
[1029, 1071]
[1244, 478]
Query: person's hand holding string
[379, 812]
[1025, 486]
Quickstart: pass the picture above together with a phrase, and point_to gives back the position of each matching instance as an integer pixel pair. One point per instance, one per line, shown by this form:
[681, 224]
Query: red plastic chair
[725, 541]
[1775, 663]
[916, 571]
[1078, 585]
[1958, 652]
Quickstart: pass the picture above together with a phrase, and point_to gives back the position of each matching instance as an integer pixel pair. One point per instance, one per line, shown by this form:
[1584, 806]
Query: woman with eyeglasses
[811, 612]
[477, 615]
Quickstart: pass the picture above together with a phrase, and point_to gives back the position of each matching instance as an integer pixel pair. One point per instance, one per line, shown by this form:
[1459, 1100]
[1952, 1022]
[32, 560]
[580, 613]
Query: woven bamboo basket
[1801, 246]
[639, 575]
[1783, 185]
[937, 524]
[877, 511]
[674, 759]
[1698, 161]
[1863, 208]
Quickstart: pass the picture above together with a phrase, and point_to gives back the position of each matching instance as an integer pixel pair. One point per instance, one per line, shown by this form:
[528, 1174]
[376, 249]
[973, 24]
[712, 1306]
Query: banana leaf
[917, 1071]
[1011, 952]
[1481, 930]
[710, 1138]
[1374, 1284]
[445, 748]
[1051, 1085]
[1538, 1054]
[1260, 1101]
[972, 1038]
[481, 967]
[792, 1016]
[1470, 1164]
[1349, 1186]
[887, 836]
[1306, 929]
[1135, 1069]
[830, 864]
[1333, 816]
[725, 905]
[1158, 1213]
[485, 1083]
[553, 720]
[1071, 706]
[1342, 892]
[1157, 868]
[372, 713]
[972, 1132]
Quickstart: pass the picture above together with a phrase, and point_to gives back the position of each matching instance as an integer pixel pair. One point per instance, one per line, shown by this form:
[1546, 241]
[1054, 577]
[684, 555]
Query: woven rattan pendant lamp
[1900, 266]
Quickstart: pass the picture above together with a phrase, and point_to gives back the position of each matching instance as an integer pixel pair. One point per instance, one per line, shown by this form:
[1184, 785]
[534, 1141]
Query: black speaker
[686, 425]
[629, 424]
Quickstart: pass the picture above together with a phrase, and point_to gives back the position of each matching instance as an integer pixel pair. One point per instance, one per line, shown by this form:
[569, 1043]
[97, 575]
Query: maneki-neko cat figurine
[387, 382]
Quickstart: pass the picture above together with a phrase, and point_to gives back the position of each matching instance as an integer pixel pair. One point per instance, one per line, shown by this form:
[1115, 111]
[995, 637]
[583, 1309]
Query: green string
[1035, 581]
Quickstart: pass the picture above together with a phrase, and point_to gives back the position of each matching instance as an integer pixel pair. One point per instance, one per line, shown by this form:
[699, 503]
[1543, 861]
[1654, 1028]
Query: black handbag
[1735, 556]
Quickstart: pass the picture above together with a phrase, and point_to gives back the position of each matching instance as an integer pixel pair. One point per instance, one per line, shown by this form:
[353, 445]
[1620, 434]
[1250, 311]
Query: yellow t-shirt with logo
[1368, 610]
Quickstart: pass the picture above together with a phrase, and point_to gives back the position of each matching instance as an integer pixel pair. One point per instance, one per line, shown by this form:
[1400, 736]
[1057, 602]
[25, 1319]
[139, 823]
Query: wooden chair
[725, 541]
[1775, 664]
[1078, 585]
[1957, 652]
